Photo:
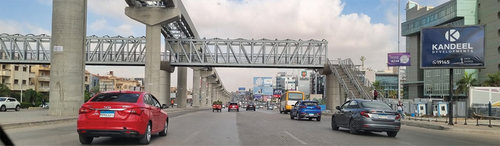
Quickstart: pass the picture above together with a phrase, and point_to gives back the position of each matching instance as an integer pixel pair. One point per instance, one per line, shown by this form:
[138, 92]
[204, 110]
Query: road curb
[37, 123]
[424, 125]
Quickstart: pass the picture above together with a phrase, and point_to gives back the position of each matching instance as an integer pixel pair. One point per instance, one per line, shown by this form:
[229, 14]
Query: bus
[288, 99]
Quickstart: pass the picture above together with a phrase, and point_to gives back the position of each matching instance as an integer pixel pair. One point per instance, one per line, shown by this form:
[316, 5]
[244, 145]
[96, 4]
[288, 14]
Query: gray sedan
[367, 116]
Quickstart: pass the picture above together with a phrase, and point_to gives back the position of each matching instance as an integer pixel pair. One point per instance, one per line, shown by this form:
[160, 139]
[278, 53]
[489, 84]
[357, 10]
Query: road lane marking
[289, 134]
[191, 136]
[265, 121]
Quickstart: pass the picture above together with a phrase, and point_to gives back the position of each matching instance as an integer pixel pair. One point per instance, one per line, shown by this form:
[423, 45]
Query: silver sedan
[367, 116]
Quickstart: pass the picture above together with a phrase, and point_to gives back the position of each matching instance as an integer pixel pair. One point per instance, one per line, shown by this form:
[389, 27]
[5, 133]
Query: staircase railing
[347, 65]
[350, 94]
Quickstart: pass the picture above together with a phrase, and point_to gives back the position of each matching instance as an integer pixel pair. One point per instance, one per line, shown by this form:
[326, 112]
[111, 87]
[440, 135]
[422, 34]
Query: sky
[353, 28]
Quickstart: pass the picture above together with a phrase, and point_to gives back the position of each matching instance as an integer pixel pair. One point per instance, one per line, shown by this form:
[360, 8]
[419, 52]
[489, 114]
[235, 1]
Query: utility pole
[399, 69]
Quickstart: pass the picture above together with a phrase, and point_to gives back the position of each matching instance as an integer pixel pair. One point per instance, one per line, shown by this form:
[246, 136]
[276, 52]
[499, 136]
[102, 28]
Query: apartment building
[111, 82]
[17, 77]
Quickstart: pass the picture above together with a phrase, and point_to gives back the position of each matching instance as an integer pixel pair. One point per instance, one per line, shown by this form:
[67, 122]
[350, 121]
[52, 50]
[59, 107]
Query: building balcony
[42, 68]
[44, 78]
[5, 73]
[44, 89]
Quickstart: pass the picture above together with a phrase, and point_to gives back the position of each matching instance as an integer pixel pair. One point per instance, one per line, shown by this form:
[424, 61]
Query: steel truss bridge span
[131, 51]
[106, 50]
[261, 53]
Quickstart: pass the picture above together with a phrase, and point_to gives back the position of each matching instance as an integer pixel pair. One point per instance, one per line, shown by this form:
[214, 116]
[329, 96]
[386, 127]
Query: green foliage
[393, 94]
[4, 90]
[320, 101]
[465, 82]
[87, 96]
[16, 96]
[377, 86]
[95, 90]
[30, 95]
[493, 80]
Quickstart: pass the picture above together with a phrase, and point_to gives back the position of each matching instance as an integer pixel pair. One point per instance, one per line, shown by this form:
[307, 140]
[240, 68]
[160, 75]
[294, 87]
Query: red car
[134, 114]
[233, 106]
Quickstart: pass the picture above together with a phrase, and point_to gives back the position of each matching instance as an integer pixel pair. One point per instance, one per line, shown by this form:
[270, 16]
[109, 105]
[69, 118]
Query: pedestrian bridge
[131, 51]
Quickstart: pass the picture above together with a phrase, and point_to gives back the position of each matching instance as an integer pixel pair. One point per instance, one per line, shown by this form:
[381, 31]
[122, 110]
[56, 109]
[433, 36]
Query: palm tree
[493, 80]
[376, 85]
[465, 82]
[393, 93]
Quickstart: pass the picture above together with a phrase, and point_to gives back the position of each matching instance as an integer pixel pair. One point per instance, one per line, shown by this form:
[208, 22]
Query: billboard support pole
[399, 72]
[450, 99]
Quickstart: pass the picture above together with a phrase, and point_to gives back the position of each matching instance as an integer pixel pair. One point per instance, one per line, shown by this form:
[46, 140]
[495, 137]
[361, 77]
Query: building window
[498, 14]
[479, 5]
[499, 67]
[3, 66]
[16, 68]
[498, 49]
[24, 68]
[24, 82]
[86, 78]
[436, 73]
[479, 21]
[16, 81]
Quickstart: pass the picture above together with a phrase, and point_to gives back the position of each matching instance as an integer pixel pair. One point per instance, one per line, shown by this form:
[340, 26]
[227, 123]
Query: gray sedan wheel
[334, 124]
[352, 127]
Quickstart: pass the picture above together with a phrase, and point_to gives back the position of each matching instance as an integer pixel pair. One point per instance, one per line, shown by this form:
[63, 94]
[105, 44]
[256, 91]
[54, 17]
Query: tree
[377, 85]
[95, 90]
[493, 80]
[30, 94]
[393, 94]
[465, 82]
[4, 90]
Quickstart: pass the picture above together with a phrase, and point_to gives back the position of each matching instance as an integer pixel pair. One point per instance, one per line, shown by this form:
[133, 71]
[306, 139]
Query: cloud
[124, 30]
[98, 25]
[348, 35]
[111, 9]
[13, 27]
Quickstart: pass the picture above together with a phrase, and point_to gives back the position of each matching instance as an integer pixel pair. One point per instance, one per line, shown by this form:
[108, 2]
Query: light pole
[22, 86]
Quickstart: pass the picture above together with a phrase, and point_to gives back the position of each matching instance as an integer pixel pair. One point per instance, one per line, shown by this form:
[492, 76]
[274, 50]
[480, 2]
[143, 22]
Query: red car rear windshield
[116, 97]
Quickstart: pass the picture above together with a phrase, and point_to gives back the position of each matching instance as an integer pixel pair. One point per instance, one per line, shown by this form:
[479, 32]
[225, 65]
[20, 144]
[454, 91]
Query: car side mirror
[337, 107]
[164, 106]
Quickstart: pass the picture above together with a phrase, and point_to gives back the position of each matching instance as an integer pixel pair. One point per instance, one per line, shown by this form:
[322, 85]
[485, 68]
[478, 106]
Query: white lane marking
[289, 134]
[265, 121]
[191, 136]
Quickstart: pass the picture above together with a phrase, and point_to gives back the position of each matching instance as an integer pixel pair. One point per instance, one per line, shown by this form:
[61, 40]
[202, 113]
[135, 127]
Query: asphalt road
[262, 127]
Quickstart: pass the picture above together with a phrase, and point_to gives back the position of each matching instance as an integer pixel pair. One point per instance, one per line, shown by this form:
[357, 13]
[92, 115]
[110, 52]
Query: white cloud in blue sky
[353, 28]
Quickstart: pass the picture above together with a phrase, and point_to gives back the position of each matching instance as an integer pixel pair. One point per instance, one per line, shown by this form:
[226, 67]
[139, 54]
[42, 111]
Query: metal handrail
[340, 80]
[347, 65]
[360, 74]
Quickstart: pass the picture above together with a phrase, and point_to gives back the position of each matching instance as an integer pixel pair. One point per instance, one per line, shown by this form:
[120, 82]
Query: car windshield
[233, 104]
[295, 96]
[375, 104]
[116, 97]
[3, 99]
[310, 103]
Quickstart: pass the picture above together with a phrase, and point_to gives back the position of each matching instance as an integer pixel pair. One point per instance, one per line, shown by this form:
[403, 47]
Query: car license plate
[311, 114]
[107, 114]
[382, 116]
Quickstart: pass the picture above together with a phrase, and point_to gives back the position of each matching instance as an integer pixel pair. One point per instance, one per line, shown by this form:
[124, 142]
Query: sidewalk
[34, 117]
[473, 125]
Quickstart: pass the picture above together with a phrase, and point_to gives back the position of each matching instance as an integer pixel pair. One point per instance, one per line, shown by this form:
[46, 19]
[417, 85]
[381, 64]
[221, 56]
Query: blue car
[306, 109]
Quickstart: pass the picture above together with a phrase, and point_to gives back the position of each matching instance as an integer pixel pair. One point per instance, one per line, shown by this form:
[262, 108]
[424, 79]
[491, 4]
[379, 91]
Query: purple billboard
[398, 59]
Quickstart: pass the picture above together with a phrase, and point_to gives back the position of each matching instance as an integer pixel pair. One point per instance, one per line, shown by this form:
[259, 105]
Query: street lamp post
[22, 85]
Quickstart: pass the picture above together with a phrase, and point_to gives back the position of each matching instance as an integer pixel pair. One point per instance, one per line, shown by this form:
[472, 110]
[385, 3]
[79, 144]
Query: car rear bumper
[310, 115]
[133, 123]
[250, 108]
[379, 126]
[110, 133]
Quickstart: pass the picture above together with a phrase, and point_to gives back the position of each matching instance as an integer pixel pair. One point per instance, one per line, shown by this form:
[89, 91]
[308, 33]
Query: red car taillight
[319, 107]
[84, 110]
[136, 111]
[302, 106]
[398, 116]
[364, 114]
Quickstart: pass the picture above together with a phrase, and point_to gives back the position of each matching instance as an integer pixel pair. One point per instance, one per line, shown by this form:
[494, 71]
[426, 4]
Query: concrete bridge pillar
[209, 94]
[67, 63]
[203, 92]
[153, 18]
[165, 73]
[181, 87]
[333, 93]
[196, 87]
